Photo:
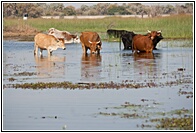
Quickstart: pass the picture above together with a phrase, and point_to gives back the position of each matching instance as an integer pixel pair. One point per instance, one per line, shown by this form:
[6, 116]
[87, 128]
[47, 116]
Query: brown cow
[47, 42]
[145, 43]
[90, 40]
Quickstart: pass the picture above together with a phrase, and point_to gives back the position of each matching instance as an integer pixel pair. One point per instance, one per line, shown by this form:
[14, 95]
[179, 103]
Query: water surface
[52, 109]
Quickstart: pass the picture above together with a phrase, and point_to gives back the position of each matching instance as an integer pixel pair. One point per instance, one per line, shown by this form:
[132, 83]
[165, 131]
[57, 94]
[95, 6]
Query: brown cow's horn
[98, 42]
[149, 31]
[90, 41]
[159, 31]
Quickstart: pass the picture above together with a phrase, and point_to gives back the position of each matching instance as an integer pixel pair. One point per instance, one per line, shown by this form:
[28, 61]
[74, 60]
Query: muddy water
[171, 67]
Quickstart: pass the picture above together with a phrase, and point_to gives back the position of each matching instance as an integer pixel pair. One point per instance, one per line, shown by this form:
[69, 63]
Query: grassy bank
[178, 26]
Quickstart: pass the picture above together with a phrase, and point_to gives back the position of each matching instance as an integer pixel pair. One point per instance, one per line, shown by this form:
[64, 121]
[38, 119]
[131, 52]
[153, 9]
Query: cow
[145, 43]
[64, 34]
[92, 41]
[127, 40]
[115, 33]
[47, 42]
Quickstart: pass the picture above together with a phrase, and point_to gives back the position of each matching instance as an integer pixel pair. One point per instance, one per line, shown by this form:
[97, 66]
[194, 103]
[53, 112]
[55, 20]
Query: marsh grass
[173, 27]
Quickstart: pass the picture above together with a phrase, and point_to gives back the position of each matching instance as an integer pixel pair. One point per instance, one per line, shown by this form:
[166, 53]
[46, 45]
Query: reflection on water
[90, 67]
[147, 65]
[143, 55]
[48, 66]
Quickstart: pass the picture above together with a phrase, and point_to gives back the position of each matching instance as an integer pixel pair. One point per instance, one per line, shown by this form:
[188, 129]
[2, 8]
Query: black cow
[127, 40]
[115, 33]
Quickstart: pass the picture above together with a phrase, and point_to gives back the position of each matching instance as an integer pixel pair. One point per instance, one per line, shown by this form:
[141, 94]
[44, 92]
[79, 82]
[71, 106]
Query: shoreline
[30, 37]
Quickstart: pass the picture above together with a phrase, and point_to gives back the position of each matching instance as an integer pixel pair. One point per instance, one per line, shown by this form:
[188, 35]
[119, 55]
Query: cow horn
[90, 42]
[98, 42]
[159, 31]
[149, 31]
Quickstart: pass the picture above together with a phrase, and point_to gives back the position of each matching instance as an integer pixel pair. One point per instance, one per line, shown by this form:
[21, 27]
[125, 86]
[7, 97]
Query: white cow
[69, 38]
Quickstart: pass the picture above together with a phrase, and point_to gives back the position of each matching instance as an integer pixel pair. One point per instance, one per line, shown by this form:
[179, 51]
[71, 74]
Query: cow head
[76, 40]
[51, 31]
[94, 46]
[155, 34]
[60, 43]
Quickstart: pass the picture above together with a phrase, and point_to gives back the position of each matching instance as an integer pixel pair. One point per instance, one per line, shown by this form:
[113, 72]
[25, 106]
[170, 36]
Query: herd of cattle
[91, 40]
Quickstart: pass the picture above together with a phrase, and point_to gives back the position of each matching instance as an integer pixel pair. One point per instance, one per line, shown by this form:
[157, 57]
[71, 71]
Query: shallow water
[51, 109]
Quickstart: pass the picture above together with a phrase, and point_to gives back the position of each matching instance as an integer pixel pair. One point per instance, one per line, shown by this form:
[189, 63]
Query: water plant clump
[101, 85]
[70, 85]
[179, 119]
[174, 123]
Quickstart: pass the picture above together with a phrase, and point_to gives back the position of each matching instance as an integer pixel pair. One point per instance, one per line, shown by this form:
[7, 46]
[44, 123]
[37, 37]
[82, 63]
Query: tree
[69, 11]
[117, 10]
[35, 11]
[38, 9]
[102, 8]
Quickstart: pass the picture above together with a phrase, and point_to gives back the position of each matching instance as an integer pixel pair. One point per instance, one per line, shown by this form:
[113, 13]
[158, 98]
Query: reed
[173, 27]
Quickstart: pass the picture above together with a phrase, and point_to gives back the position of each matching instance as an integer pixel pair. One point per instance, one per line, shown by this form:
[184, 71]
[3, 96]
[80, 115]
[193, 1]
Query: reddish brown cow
[90, 40]
[145, 43]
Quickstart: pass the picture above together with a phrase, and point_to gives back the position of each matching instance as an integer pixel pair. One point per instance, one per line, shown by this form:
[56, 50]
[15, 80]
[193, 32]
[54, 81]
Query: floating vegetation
[66, 85]
[174, 123]
[101, 85]
[189, 94]
[122, 115]
[180, 119]
[25, 74]
[11, 79]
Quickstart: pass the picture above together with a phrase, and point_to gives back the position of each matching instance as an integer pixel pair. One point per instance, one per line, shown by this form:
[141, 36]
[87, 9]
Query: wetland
[115, 90]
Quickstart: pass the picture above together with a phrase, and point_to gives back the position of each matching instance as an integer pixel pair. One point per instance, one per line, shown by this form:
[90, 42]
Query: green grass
[176, 26]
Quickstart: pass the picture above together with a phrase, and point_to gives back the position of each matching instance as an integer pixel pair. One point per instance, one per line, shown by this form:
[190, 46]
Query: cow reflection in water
[50, 66]
[90, 67]
[145, 65]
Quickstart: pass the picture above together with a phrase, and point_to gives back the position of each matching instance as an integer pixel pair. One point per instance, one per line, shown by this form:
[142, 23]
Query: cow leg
[35, 49]
[84, 48]
[150, 51]
[98, 51]
[126, 46]
[49, 52]
[41, 51]
[133, 47]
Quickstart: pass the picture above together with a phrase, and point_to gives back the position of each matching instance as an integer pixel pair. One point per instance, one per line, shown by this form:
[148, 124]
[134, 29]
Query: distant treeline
[35, 10]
